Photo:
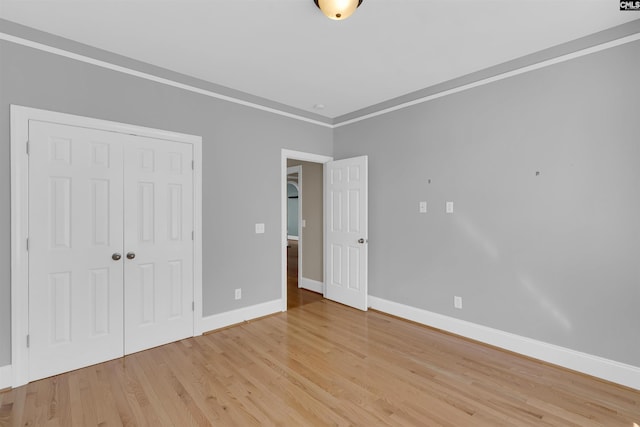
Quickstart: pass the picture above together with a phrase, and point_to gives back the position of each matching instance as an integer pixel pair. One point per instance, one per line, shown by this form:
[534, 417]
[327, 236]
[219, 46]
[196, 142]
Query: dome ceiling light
[337, 9]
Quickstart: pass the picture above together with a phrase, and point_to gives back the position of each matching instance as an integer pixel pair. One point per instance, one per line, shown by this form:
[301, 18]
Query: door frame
[20, 117]
[284, 156]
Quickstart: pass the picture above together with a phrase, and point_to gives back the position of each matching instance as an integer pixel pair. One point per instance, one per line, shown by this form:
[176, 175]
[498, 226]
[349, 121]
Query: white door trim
[20, 117]
[294, 155]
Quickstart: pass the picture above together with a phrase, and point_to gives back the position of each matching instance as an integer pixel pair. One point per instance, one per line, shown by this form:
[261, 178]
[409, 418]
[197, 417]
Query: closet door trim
[20, 117]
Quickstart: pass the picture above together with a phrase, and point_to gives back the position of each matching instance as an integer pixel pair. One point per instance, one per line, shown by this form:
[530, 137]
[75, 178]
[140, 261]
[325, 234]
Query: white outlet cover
[238, 294]
[259, 228]
[449, 207]
[457, 302]
[423, 207]
[304, 223]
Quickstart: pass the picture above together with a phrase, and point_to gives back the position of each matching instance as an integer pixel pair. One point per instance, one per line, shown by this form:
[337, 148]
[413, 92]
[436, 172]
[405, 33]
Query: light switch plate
[260, 228]
[423, 207]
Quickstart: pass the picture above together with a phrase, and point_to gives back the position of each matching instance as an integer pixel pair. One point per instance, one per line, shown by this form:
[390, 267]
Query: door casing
[20, 117]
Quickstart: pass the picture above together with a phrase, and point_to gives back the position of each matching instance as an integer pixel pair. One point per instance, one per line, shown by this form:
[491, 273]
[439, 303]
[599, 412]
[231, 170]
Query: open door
[346, 231]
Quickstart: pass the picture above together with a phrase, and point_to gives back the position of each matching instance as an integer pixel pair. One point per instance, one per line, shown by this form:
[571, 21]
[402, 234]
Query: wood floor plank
[302, 368]
[322, 364]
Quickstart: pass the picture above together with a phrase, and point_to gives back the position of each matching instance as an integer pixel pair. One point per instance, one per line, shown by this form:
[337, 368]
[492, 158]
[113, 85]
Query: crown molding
[32, 38]
[607, 39]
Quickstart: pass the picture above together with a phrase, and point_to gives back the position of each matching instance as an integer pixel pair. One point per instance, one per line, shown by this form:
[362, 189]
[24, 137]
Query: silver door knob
[361, 240]
[131, 255]
[116, 256]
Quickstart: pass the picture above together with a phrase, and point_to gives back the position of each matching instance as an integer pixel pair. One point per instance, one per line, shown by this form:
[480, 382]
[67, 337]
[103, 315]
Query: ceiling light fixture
[337, 9]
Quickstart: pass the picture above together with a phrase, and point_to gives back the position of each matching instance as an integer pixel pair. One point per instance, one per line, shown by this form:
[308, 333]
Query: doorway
[303, 263]
[344, 227]
[294, 226]
[304, 230]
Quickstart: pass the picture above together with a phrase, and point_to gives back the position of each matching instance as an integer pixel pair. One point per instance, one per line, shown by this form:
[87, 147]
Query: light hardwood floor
[318, 364]
[296, 297]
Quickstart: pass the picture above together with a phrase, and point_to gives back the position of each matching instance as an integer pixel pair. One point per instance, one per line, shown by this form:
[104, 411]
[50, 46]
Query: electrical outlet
[423, 207]
[457, 302]
[449, 207]
[238, 293]
[260, 228]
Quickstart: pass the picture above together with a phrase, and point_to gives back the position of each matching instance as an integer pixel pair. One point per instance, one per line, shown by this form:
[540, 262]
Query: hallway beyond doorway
[296, 297]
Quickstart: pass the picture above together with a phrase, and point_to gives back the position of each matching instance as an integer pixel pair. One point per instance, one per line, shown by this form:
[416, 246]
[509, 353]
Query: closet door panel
[158, 241]
[75, 227]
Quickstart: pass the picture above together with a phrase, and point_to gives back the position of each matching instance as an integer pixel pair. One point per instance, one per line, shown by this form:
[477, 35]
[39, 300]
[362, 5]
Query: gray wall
[233, 255]
[553, 257]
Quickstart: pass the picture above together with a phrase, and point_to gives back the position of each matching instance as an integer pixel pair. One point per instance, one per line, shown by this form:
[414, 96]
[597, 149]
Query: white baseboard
[6, 377]
[240, 315]
[596, 366]
[312, 285]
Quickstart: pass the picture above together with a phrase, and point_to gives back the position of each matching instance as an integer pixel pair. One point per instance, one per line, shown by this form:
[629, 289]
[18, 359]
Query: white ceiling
[288, 52]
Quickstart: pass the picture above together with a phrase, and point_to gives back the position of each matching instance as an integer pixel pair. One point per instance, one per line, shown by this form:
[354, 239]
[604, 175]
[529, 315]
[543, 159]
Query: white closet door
[158, 199]
[75, 226]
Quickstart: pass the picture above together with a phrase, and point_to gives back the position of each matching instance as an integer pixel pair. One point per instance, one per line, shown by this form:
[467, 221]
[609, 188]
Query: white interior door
[158, 198]
[346, 254]
[75, 224]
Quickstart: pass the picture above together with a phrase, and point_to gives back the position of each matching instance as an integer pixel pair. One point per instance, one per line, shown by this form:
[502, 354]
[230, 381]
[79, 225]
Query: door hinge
[27, 148]
[192, 235]
[193, 306]
[27, 244]
[28, 341]
[193, 164]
